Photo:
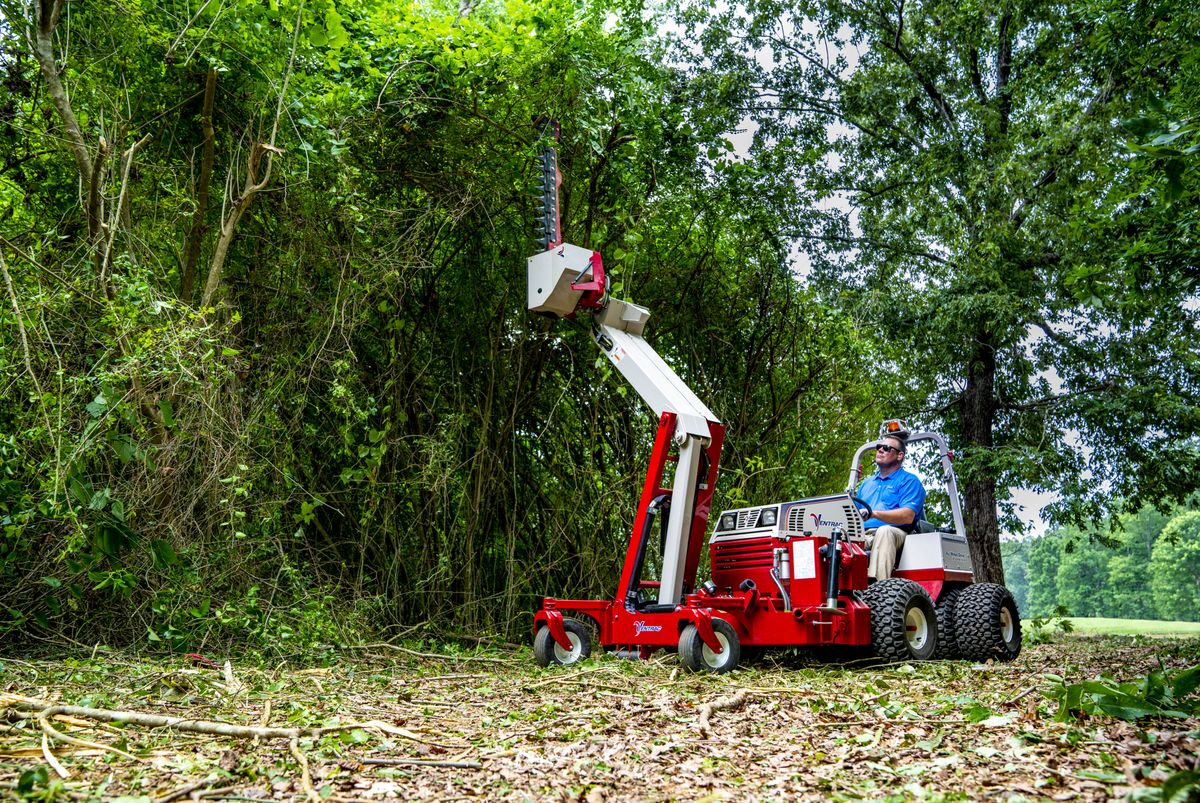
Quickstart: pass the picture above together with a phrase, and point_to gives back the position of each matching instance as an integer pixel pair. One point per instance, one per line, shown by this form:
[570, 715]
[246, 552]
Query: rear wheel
[699, 657]
[904, 624]
[987, 623]
[947, 641]
[548, 651]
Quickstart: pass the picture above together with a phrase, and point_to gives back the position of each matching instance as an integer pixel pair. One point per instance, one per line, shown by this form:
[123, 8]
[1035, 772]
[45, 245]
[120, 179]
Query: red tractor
[782, 575]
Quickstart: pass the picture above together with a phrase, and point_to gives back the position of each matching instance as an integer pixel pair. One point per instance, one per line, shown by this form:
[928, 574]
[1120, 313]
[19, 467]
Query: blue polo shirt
[899, 489]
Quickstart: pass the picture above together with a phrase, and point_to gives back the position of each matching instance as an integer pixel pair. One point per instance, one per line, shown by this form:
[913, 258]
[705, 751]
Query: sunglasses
[883, 447]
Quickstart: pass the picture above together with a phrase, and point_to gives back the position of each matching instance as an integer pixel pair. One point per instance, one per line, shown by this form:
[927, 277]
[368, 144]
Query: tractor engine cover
[781, 546]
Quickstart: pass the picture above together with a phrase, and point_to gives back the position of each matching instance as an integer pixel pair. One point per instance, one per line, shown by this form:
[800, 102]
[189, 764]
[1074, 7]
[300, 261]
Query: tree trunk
[41, 42]
[196, 235]
[977, 411]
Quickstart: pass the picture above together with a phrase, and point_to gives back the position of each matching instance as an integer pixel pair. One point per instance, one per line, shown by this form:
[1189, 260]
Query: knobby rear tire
[987, 623]
[904, 624]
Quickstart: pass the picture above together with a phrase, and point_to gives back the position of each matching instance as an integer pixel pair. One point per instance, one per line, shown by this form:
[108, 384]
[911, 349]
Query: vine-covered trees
[268, 361]
[264, 347]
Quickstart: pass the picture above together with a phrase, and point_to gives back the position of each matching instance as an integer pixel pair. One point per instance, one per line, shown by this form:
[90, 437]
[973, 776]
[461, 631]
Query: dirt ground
[399, 724]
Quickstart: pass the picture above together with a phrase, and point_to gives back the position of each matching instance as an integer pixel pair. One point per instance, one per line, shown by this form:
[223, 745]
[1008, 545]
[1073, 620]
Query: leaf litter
[413, 726]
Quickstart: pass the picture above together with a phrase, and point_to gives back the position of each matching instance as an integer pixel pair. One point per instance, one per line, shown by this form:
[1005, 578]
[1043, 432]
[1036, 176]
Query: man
[896, 498]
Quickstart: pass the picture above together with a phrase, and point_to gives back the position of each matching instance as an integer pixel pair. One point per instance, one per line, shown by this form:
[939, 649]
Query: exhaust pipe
[833, 549]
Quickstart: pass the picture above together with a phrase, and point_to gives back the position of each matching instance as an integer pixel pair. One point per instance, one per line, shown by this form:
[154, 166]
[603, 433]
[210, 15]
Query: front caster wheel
[548, 651]
[699, 657]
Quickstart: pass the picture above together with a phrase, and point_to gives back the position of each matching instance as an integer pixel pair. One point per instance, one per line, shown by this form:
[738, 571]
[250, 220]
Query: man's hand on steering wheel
[861, 507]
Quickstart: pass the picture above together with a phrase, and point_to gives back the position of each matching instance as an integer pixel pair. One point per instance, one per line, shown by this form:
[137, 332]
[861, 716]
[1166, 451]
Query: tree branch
[1022, 208]
[1041, 323]
[931, 90]
[1004, 70]
[110, 231]
[42, 709]
[253, 184]
[976, 77]
[1054, 399]
[41, 43]
[860, 241]
[94, 207]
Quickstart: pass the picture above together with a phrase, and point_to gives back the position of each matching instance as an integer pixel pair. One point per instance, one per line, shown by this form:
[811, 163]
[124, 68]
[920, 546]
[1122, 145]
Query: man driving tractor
[896, 497]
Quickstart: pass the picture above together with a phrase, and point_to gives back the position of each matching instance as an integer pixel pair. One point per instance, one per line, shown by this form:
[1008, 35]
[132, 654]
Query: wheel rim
[916, 628]
[572, 655]
[1007, 626]
[711, 659]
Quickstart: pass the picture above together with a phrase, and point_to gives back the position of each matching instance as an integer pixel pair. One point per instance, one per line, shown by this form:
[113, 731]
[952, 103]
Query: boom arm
[566, 278]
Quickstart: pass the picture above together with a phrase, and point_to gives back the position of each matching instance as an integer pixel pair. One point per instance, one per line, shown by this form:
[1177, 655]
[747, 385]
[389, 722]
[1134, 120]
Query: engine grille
[747, 519]
[751, 553]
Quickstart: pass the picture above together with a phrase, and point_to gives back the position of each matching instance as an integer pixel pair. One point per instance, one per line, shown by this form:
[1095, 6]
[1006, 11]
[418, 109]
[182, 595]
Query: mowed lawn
[1133, 627]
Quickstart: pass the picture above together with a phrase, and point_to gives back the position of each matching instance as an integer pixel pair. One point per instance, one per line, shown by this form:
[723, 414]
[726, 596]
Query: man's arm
[912, 499]
[901, 516]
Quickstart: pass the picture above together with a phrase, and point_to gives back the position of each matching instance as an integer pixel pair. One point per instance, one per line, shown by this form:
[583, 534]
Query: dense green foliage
[266, 357]
[1148, 569]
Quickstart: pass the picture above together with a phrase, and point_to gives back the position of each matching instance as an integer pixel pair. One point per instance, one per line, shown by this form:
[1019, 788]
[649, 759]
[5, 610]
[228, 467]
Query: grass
[1133, 627]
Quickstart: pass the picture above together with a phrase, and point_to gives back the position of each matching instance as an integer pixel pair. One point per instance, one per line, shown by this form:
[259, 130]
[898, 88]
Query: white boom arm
[619, 327]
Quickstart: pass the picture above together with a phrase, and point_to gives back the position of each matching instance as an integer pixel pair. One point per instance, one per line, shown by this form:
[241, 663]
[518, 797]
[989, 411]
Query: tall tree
[957, 172]
[1045, 554]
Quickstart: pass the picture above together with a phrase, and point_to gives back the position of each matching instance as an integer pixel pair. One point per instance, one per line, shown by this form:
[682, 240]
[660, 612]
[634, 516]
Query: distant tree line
[1149, 568]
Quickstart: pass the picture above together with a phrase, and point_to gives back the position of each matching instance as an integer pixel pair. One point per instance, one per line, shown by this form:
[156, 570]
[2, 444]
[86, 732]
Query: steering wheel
[861, 504]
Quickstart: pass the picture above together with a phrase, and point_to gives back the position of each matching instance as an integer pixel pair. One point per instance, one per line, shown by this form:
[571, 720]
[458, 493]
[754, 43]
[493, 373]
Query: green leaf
[97, 406]
[123, 446]
[1185, 682]
[168, 413]
[356, 736]
[1173, 170]
[38, 776]
[164, 553]
[1180, 783]
[99, 499]
[978, 713]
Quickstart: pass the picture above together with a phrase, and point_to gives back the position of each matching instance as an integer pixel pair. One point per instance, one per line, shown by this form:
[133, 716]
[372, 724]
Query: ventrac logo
[820, 521]
[641, 627]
